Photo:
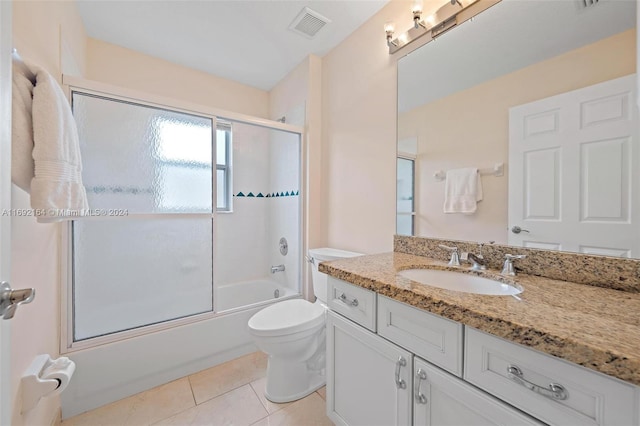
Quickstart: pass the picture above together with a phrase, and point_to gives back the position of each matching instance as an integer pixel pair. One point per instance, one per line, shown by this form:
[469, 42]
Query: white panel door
[441, 399]
[5, 200]
[575, 169]
[362, 374]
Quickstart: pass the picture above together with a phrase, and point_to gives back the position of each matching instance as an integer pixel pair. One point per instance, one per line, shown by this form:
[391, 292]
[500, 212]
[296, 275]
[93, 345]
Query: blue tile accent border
[267, 195]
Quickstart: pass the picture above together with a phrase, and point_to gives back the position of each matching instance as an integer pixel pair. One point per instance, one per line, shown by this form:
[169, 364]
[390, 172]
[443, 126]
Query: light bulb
[417, 7]
[389, 27]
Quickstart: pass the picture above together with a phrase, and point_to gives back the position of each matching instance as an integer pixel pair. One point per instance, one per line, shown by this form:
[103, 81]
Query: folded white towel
[56, 187]
[462, 191]
[21, 130]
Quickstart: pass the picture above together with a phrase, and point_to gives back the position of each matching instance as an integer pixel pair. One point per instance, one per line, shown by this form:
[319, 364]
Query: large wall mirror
[545, 89]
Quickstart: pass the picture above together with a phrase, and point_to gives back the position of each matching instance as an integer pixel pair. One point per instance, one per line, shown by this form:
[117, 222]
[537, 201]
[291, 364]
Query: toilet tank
[318, 279]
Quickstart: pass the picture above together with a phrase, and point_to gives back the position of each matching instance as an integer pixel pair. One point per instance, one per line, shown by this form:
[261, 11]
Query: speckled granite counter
[595, 327]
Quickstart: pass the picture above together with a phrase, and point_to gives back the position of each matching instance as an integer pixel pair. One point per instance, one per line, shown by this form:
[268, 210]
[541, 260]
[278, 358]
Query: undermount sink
[457, 281]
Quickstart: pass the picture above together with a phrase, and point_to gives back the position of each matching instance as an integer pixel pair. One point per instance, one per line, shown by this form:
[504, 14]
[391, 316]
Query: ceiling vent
[588, 3]
[308, 23]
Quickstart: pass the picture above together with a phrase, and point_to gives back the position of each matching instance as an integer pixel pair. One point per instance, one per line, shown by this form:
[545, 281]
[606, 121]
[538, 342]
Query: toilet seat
[287, 317]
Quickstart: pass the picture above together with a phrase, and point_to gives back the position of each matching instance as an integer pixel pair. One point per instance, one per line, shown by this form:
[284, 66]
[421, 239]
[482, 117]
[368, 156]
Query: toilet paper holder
[45, 377]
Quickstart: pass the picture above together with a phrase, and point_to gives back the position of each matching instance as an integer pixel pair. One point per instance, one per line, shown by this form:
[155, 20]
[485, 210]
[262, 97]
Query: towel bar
[497, 170]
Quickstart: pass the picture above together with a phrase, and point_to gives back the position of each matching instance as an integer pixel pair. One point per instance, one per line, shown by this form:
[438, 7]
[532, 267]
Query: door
[5, 199]
[574, 167]
[441, 399]
[368, 378]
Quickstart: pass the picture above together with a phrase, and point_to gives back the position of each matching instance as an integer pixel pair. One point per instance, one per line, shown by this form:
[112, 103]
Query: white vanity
[389, 363]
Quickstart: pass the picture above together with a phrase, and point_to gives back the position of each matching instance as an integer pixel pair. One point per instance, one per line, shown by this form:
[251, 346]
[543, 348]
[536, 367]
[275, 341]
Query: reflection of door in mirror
[573, 161]
[454, 97]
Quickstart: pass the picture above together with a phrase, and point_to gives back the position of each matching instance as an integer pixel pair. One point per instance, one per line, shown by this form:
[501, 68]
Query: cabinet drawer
[356, 303]
[590, 398]
[436, 339]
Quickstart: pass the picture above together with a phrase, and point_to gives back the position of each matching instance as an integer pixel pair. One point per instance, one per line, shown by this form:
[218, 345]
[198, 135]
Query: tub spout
[279, 268]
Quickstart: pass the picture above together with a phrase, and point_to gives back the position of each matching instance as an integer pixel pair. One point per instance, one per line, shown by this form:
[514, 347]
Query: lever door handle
[11, 299]
[516, 230]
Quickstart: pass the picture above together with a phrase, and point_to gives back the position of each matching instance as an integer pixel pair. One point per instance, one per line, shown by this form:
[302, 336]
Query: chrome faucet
[455, 259]
[507, 268]
[479, 264]
[279, 268]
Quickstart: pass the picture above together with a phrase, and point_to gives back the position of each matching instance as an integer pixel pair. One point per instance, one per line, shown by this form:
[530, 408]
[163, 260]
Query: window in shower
[153, 264]
[223, 166]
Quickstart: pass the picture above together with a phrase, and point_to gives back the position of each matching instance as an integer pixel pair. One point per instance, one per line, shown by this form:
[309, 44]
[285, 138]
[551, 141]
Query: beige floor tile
[141, 409]
[309, 411]
[272, 407]
[323, 392]
[240, 406]
[222, 378]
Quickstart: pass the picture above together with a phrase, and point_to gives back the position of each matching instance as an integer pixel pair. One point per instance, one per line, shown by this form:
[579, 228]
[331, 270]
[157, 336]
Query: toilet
[292, 334]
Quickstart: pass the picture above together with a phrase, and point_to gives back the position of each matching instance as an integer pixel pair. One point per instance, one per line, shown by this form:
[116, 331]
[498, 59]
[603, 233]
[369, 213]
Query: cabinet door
[441, 399]
[363, 376]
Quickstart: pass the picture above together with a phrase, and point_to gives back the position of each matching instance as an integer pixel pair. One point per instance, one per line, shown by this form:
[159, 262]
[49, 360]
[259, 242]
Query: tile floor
[227, 394]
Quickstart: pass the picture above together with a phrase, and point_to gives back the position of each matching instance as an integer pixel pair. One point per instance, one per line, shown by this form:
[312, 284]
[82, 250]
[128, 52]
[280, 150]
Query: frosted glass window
[132, 273]
[223, 175]
[222, 190]
[142, 158]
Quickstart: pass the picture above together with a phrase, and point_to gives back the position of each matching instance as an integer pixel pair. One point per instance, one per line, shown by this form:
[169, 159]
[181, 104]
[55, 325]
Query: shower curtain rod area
[24, 69]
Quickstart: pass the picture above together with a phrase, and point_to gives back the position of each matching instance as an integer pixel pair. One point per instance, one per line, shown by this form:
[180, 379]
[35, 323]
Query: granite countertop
[595, 327]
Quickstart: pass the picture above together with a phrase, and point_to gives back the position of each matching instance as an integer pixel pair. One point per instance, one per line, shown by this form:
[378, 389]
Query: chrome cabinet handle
[345, 299]
[553, 391]
[516, 230]
[11, 299]
[400, 383]
[419, 396]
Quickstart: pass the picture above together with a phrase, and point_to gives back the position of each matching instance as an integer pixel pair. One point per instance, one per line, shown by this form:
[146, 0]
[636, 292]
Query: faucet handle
[514, 256]
[455, 258]
[507, 268]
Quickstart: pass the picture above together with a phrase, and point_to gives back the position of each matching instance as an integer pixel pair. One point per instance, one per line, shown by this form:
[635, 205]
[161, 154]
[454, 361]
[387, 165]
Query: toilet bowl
[292, 334]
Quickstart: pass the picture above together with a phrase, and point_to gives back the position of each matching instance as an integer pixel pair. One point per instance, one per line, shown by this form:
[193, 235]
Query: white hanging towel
[57, 192]
[462, 191]
[21, 130]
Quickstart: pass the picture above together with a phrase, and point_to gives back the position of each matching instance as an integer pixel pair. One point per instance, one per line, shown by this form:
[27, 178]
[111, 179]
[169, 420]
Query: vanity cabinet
[422, 369]
[375, 381]
[363, 373]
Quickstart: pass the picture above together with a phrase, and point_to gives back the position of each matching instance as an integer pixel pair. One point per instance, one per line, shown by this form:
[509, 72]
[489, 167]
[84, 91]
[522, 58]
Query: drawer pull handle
[553, 391]
[420, 397]
[400, 383]
[345, 299]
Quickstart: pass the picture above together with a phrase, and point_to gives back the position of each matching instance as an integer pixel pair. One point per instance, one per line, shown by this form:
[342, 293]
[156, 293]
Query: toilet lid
[287, 317]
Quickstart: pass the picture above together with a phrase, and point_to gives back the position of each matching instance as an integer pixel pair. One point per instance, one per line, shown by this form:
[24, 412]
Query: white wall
[359, 136]
[123, 67]
[50, 34]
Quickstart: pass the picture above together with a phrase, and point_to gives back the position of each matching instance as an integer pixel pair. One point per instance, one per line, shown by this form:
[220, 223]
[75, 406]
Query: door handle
[11, 299]
[516, 230]
[419, 396]
[400, 383]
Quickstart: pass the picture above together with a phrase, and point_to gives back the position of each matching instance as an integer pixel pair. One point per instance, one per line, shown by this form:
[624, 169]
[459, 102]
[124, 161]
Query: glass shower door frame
[72, 84]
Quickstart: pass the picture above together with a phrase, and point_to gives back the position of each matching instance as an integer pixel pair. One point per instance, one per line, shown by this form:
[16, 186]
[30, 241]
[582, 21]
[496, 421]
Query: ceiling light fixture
[445, 18]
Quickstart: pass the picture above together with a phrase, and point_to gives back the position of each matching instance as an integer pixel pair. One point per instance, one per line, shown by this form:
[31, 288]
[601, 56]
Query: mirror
[459, 96]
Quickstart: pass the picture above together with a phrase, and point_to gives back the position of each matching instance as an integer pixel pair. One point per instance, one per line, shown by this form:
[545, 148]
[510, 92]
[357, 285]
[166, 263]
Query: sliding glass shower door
[146, 255]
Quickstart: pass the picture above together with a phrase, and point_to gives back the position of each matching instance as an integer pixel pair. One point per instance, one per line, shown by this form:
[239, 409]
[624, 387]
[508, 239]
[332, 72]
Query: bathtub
[113, 371]
[248, 293]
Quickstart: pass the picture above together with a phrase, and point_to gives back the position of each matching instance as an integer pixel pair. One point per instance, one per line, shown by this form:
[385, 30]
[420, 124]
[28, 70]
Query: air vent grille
[308, 23]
